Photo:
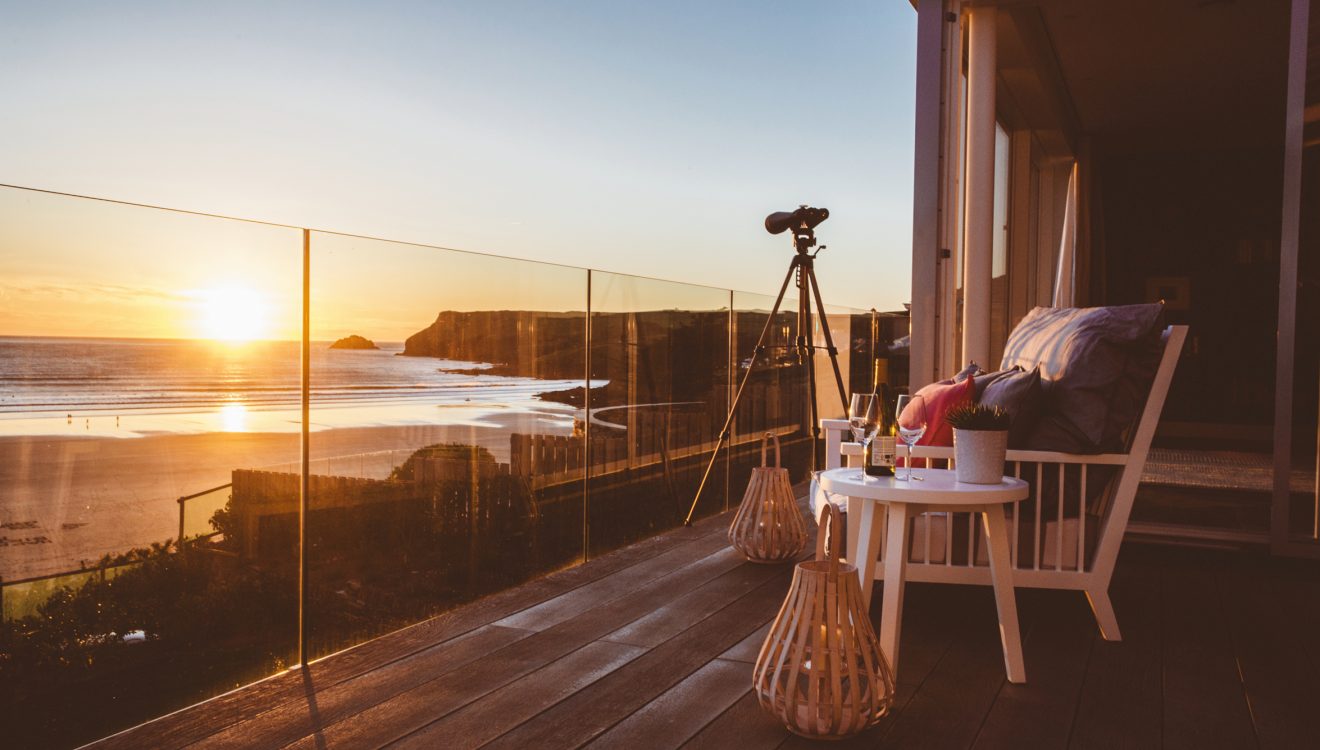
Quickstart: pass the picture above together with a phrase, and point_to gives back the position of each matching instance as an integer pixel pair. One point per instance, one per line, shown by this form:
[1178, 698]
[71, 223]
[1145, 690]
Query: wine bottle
[878, 457]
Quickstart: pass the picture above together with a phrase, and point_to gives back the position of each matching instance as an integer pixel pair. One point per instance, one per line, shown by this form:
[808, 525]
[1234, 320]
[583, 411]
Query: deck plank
[411, 711]
[554, 611]
[1204, 700]
[669, 619]
[953, 700]
[748, 648]
[479, 722]
[202, 720]
[1056, 649]
[680, 712]
[475, 704]
[592, 711]
[1268, 640]
[1122, 702]
[324, 705]
[1294, 586]
[744, 725]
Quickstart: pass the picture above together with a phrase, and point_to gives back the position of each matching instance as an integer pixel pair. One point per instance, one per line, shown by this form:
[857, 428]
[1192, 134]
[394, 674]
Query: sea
[91, 465]
[97, 387]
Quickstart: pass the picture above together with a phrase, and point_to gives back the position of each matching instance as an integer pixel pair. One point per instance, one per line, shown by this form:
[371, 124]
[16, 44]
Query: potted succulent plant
[980, 443]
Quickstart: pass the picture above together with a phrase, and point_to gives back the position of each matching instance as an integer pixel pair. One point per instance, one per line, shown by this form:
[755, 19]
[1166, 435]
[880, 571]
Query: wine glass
[911, 429]
[861, 403]
[864, 419]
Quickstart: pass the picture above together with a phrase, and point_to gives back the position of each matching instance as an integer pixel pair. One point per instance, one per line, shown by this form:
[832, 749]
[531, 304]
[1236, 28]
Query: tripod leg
[806, 350]
[829, 340]
[811, 391]
[737, 396]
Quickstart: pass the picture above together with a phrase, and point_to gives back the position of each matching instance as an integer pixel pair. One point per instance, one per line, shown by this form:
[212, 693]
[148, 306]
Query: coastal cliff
[518, 342]
[666, 355]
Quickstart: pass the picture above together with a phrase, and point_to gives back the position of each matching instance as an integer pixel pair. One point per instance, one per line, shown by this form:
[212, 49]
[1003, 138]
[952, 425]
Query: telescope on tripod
[802, 272]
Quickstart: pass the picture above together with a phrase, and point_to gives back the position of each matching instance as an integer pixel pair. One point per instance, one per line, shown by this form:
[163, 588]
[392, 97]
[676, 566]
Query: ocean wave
[90, 375]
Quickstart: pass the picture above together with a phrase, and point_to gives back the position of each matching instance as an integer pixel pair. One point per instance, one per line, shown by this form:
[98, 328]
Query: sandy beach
[72, 499]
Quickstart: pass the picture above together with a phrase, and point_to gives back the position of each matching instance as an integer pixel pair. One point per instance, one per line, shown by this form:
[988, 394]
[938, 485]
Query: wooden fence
[652, 436]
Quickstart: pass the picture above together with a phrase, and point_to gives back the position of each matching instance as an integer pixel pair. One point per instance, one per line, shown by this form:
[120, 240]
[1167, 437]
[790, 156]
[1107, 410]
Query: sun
[233, 313]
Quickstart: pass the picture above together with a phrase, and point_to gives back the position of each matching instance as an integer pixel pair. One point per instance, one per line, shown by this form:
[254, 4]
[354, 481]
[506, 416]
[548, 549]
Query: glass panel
[862, 360]
[777, 393]
[145, 356]
[831, 405]
[890, 333]
[660, 367]
[448, 444]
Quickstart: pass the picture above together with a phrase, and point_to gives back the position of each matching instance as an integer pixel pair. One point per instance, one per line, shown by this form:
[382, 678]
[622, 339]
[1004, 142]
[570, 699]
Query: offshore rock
[354, 342]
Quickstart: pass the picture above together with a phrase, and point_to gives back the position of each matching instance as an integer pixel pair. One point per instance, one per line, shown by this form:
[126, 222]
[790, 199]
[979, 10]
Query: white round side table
[938, 490]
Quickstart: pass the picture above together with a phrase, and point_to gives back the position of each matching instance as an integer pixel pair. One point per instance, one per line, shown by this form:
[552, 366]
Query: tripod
[802, 268]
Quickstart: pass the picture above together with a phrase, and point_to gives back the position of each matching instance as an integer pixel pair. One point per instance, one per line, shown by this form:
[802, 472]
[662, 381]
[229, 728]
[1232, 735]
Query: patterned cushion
[1096, 365]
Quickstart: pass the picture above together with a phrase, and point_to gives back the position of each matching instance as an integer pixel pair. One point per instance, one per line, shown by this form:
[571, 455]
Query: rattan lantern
[821, 671]
[768, 526]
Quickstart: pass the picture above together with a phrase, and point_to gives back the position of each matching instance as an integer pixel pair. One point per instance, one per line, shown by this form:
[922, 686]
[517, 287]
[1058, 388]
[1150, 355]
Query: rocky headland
[667, 355]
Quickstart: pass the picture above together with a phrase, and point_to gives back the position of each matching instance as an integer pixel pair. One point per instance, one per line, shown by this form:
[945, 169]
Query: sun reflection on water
[233, 417]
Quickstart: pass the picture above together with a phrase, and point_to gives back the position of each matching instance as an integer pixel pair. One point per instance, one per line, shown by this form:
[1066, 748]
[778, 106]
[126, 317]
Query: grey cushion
[1096, 366]
[1021, 395]
[984, 379]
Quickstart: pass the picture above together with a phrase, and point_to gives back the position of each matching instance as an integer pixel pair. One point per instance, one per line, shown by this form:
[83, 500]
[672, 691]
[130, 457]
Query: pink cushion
[939, 399]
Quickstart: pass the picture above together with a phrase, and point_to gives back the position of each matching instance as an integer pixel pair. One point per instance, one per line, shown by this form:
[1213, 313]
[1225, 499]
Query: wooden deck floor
[652, 647]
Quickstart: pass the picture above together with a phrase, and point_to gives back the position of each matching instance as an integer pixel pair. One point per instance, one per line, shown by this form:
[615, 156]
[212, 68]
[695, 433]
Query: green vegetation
[472, 455]
[194, 623]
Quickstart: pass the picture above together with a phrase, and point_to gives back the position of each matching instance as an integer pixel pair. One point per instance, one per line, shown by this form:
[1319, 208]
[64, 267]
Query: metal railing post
[304, 447]
[586, 428]
[731, 387]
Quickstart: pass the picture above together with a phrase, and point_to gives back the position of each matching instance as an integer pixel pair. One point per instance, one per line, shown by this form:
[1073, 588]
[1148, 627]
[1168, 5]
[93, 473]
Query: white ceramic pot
[978, 455]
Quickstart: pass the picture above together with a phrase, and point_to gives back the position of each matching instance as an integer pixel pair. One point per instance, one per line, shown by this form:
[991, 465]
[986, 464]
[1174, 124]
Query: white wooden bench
[1059, 539]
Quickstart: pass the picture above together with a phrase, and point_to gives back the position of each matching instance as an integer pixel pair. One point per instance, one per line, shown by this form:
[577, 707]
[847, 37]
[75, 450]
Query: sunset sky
[641, 138]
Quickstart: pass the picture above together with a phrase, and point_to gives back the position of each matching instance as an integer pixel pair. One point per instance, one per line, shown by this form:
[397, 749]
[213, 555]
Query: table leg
[1001, 572]
[868, 547]
[891, 612]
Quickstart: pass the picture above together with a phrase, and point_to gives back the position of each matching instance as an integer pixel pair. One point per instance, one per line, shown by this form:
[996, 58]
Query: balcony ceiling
[1165, 75]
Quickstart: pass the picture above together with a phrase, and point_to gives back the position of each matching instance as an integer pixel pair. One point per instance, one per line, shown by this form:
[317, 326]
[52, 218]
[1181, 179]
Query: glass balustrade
[145, 356]
[775, 396]
[660, 366]
[448, 440]
[474, 422]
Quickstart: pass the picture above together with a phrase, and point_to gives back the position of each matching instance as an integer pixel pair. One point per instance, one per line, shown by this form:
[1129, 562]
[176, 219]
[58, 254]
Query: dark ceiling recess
[1176, 73]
